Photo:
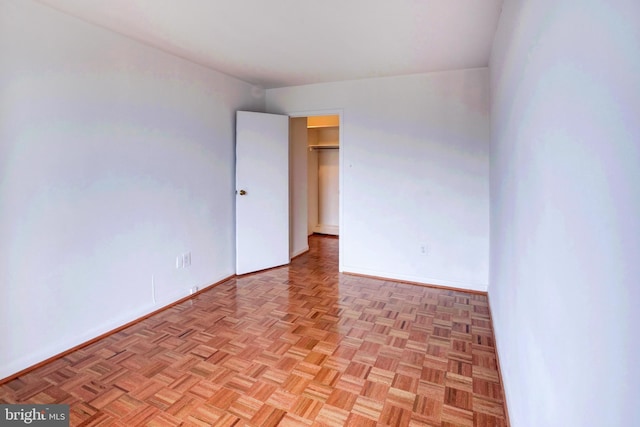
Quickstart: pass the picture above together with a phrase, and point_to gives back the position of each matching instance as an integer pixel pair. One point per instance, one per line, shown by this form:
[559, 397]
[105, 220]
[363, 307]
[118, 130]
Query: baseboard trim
[495, 339]
[327, 229]
[423, 284]
[111, 332]
[188, 297]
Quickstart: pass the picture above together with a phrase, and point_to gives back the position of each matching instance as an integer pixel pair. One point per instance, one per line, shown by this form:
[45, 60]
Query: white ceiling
[275, 43]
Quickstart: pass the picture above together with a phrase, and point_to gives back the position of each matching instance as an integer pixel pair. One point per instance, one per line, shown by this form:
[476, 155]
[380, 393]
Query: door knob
[242, 192]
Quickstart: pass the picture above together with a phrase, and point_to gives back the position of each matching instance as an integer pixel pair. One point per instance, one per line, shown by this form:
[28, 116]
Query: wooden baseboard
[108, 333]
[495, 339]
[133, 322]
[426, 285]
[327, 229]
[325, 236]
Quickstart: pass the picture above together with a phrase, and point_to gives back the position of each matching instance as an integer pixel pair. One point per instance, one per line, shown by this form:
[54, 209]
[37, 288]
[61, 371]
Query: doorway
[315, 181]
[323, 175]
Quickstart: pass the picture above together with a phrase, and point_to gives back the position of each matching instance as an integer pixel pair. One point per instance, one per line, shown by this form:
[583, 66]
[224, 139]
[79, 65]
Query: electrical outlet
[193, 290]
[187, 259]
[424, 250]
[179, 261]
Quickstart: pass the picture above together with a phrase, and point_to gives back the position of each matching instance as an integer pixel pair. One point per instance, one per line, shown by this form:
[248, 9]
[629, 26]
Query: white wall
[415, 169]
[565, 211]
[114, 158]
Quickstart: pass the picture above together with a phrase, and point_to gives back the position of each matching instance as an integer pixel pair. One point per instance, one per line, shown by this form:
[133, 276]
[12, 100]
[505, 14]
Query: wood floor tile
[332, 416]
[299, 345]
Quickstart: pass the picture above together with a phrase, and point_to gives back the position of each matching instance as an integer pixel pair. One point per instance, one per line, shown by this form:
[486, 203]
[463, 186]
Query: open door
[262, 191]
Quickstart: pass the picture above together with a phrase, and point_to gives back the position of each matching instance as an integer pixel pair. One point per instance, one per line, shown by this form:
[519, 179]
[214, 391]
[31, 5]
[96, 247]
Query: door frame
[340, 114]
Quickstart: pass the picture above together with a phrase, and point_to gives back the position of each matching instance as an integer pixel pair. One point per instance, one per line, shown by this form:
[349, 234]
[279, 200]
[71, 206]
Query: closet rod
[324, 147]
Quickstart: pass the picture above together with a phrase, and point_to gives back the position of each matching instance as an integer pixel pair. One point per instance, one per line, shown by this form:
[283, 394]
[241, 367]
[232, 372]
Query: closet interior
[323, 174]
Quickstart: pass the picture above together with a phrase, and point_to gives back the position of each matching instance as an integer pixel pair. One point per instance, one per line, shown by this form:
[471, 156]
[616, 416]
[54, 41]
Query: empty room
[364, 213]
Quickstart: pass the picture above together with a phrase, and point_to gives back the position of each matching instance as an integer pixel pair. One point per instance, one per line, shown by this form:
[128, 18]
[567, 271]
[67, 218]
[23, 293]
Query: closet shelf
[324, 147]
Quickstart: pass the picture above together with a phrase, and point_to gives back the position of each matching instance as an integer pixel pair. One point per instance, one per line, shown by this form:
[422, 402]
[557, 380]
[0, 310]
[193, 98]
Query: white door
[262, 191]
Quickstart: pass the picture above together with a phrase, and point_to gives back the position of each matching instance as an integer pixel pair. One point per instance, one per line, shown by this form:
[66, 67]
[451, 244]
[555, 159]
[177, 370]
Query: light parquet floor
[300, 345]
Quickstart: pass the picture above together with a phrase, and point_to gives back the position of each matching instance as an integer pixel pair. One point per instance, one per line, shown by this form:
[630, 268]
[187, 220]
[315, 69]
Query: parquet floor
[300, 345]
